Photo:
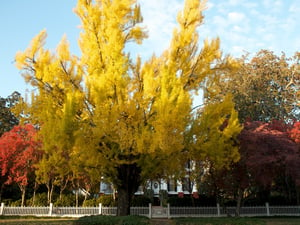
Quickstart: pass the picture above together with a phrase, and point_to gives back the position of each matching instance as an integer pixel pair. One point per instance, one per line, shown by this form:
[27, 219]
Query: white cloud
[267, 3]
[268, 37]
[160, 20]
[242, 25]
[296, 45]
[240, 29]
[274, 6]
[250, 5]
[235, 17]
[234, 2]
[238, 50]
[277, 6]
[219, 21]
[209, 5]
[278, 3]
[294, 8]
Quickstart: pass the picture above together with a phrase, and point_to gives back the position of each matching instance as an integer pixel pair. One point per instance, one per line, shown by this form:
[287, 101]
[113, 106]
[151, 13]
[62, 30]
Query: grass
[33, 220]
[138, 220]
[87, 220]
[112, 220]
[239, 221]
[219, 221]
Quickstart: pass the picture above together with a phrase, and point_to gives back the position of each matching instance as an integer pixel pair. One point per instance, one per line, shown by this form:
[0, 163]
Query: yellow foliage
[107, 110]
[62, 50]
[215, 133]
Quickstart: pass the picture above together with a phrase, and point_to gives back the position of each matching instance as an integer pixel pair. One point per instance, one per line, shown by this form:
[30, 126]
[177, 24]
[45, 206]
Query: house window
[186, 184]
[172, 185]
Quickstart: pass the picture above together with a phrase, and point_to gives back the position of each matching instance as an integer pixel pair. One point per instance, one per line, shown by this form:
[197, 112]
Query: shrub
[106, 200]
[176, 201]
[112, 220]
[150, 194]
[7, 201]
[281, 200]
[65, 200]
[16, 203]
[202, 200]
[140, 201]
[90, 202]
[40, 199]
[163, 197]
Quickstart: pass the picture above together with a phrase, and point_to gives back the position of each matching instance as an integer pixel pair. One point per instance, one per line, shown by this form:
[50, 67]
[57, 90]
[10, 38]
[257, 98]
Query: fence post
[168, 212]
[2, 209]
[150, 210]
[100, 208]
[218, 210]
[50, 209]
[268, 208]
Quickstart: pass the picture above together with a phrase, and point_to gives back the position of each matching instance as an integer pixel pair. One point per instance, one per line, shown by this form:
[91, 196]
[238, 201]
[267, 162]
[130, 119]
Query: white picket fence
[231, 211]
[67, 211]
[152, 211]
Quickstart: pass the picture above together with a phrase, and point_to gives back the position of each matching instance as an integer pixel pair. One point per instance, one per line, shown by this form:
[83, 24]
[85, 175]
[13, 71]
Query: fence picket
[146, 211]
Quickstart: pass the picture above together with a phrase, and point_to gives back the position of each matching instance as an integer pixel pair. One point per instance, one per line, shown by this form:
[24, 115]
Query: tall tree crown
[106, 110]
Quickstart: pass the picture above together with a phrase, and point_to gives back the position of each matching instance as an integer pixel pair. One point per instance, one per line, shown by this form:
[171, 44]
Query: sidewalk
[161, 222]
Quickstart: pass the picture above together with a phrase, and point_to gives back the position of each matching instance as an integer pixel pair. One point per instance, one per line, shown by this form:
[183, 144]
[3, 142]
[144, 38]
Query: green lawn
[88, 220]
[134, 220]
[15, 220]
[239, 221]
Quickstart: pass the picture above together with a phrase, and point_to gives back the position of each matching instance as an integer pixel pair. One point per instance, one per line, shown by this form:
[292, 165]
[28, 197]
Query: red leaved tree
[268, 151]
[294, 161]
[295, 132]
[19, 152]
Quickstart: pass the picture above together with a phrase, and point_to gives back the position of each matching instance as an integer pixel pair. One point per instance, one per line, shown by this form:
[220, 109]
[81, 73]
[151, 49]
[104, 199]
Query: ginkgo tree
[216, 129]
[212, 141]
[116, 117]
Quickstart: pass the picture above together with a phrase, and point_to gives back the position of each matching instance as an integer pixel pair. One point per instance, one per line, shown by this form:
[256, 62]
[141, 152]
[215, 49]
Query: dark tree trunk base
[129, 179]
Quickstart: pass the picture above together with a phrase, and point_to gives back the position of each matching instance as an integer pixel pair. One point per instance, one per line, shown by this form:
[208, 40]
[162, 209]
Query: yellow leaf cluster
[216, 133]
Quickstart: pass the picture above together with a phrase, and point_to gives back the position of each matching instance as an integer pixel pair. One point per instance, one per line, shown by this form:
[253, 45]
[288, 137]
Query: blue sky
[242, 25]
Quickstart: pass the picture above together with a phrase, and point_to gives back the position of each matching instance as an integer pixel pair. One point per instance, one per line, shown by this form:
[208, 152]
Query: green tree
[264, 88]
[114, 117]
[7, 119]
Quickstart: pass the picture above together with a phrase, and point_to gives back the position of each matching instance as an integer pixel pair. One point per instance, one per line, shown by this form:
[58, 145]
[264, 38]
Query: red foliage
[180, 194]
[195, 195]
[295, 132]
[19, 151]
[294, 160]
[268, 150]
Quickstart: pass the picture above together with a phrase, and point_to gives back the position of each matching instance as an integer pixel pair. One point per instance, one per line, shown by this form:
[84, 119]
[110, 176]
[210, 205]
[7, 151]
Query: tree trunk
[1, 191]
[85, 196]
[239, 201]
[129, 179]
[288, 187]
[77, 198]
[23, 191]
[123, 202]
[60, 194]
[34, 193]
[50, 187]
[63, 186]
[298, 195]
